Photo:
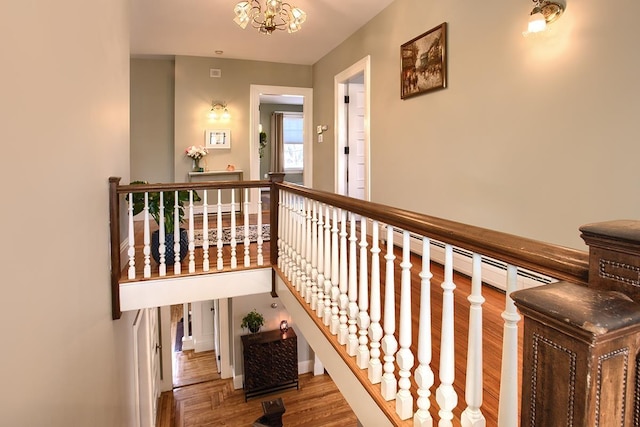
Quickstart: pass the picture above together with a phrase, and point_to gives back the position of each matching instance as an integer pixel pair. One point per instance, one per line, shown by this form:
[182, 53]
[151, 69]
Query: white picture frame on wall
[217, 138]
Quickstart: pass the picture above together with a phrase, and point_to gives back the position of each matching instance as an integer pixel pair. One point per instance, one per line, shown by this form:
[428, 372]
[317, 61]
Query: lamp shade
[537, 22]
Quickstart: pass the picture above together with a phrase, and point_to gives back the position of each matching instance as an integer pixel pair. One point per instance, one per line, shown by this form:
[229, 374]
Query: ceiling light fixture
[274, 15]
[544, 12]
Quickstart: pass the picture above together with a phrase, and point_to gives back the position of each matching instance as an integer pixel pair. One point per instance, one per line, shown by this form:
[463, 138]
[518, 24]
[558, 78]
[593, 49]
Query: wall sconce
[219, 111]
[284, 326]
[544, 12]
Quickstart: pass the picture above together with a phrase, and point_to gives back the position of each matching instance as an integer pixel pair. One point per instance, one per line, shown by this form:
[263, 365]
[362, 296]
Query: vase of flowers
[195, 153]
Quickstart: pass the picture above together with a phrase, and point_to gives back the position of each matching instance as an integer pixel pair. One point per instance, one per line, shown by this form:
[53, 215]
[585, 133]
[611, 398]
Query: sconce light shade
[544, 12]
[219, 111]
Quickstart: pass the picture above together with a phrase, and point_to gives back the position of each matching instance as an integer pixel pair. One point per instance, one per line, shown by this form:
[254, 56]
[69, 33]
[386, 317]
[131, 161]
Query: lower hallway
[200, 398]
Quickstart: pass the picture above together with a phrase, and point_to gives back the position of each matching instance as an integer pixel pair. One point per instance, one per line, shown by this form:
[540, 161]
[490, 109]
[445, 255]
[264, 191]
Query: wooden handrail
[555, 261]
[209, 185]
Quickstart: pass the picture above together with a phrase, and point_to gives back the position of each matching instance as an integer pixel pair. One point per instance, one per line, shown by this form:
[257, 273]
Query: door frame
[254, 132]
[363, 66]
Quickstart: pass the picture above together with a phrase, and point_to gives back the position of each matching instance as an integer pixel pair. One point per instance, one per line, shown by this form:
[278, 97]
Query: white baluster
[320, 253]
[247, 242]
[314, 256]
[260, 241]
[424, 374]
[205, 232]
[405, 359]
[282, 223]
[343, 301]
[286, 233]
[472, 416]
[362, 358]
[508, 405]
[146, 240]
[131, 252]
[293, 239]
[445, 394]
[352, 290]
[328, 267]
[192, 245]
[335, 275]
[234, 242]
[177, 268]
[389, 385]
[301, 277]
[219, 243]
[375, 329]
[308, 253]
[162, 249]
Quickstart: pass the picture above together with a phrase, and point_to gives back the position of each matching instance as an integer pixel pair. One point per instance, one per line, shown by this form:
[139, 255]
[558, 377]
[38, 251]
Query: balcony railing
[339, 255]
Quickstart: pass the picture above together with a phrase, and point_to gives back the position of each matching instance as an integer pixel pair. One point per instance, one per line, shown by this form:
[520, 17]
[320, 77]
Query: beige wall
[194, 91]
[152, 120]
[65, 130]
[533, 136]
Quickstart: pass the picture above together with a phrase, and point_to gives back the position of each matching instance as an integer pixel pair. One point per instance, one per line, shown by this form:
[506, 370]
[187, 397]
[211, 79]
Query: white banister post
[344, 280]
[508, 404]
[445, 394]
[192, 246]
[352, 291]
[146, 240]
[375, 329]
[186, 322]
[308, 253]
[314, 256]
[162, 250]
[362, 358]
[131, 252]
[177, 268]
[472, 415]
[405, 359]
[260, 239]
[389, 385]
[219, 243]
[335, 275]
[328, 267]
[234, 242]
[282, 223]
[320, 263]
[293, 231]
[205, 232]
[246, 242]
[301, 260]
[424, 374]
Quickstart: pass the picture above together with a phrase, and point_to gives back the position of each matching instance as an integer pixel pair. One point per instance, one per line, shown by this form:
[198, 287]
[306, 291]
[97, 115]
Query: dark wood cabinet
[270, 362]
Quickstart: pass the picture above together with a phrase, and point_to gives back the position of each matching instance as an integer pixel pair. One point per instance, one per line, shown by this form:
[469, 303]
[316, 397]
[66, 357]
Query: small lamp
[544, 12]
[219, 111]
[284, 326]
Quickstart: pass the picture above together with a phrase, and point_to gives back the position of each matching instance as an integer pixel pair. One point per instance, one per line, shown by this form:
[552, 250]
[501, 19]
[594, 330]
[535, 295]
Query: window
[293, 147]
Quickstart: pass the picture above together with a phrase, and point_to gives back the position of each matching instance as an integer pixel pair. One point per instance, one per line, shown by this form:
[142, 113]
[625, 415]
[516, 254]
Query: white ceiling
[201, 27]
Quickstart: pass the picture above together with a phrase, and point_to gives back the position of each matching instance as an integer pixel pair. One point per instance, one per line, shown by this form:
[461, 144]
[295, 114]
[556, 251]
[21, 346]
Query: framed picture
[424, 62]
[217, 138]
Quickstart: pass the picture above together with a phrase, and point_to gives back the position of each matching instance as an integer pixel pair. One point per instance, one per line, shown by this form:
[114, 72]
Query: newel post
[581, 343]
[114, 226]
[274, 198]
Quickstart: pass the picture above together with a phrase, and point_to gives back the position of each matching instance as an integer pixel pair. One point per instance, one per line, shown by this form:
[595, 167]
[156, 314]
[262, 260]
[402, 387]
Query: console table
[270, 362]
[235, 175]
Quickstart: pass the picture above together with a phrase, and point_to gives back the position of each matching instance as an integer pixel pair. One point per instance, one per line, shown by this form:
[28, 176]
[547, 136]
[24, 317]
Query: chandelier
[274, 15]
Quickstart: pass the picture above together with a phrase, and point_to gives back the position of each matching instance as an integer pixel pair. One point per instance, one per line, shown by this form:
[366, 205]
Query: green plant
[253, 321]
[168, 202]
[263, 143]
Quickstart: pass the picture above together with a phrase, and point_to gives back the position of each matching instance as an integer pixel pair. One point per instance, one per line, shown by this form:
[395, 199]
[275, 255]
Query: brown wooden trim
[275, 178]
[553, 260]
[114, 227]
[208, 185]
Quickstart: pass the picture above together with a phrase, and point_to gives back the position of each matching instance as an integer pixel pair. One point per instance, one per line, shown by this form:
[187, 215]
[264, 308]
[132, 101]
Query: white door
[355, 141]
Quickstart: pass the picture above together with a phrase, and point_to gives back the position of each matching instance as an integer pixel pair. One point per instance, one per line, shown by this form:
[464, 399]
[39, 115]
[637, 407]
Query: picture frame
[424, 63]
[217, 139]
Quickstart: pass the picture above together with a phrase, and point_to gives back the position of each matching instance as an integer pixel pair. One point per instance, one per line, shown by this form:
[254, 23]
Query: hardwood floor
[201, 398]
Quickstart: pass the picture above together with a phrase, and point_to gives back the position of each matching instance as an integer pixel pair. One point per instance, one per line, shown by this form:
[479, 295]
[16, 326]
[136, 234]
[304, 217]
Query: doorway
[352, 107]
[279, 94]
